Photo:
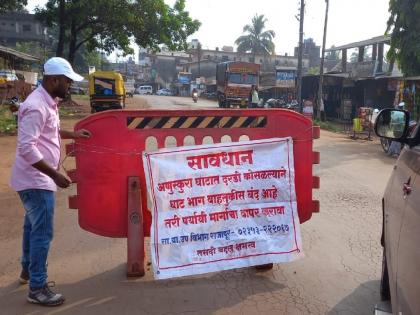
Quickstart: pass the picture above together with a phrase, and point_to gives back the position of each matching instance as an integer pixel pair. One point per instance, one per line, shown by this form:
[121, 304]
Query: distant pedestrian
[250, 96]
[254, 97]
[35, 174]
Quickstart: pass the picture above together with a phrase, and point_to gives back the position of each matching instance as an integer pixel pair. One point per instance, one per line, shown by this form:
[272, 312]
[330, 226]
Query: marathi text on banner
[222, 206]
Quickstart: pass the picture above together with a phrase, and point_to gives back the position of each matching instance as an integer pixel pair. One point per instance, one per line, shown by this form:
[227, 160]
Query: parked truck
[234, 81]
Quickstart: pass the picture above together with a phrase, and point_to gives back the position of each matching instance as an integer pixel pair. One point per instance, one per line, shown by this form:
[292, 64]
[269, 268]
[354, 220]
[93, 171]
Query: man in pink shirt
[36, 175]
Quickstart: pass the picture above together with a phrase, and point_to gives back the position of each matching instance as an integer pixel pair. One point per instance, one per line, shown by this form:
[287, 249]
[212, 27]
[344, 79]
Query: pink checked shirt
[38, 139]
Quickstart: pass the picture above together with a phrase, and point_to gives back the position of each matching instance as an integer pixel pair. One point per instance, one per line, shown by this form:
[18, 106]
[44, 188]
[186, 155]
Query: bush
[7, 121]
[328, 125]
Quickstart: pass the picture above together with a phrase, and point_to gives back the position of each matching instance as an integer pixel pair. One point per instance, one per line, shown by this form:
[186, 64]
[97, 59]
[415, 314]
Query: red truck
[234, 81]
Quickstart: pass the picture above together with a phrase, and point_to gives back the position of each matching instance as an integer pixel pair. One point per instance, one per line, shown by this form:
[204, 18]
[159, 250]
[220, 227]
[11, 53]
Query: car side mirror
[392, 124]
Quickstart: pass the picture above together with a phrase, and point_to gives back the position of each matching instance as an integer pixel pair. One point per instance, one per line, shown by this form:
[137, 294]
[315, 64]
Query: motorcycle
[293, 105]
[275, 103]
[281, 103]
[14, 104]
[195, 97]
[385, 143]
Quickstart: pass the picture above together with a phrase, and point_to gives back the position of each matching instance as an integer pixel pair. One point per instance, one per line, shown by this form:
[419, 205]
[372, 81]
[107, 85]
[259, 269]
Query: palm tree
[257, 41]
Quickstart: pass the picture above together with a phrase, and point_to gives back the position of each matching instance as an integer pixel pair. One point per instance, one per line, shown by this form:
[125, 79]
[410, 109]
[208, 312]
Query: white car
[165, 92]
[145, 90]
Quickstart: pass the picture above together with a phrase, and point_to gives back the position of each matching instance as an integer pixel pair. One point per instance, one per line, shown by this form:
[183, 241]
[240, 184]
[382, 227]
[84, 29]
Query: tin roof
[17, 54]
[374, 40]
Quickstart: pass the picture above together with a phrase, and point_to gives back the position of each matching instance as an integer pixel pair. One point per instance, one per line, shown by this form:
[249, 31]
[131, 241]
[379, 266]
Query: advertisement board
[285, 78]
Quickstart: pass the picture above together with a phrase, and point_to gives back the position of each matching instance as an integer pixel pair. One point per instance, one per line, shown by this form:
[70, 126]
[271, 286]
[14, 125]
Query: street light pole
[321, 67]
[300, 55]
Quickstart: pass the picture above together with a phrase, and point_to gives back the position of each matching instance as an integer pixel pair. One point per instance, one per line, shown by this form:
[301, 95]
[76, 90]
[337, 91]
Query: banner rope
[107, 150]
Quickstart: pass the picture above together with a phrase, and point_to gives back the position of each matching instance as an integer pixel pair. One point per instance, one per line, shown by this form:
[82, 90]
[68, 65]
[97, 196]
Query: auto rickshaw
[106, 90]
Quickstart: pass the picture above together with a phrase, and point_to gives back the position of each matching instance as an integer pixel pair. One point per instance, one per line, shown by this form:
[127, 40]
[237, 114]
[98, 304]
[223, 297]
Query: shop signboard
[285, 78]
[184, 77]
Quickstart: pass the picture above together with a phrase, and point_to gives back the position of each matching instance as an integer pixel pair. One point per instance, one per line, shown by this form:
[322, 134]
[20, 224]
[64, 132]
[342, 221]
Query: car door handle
[407, 189]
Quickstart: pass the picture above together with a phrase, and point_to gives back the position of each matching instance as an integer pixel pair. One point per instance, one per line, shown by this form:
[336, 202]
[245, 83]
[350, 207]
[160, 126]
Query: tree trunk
[62, 29]
[73, 40]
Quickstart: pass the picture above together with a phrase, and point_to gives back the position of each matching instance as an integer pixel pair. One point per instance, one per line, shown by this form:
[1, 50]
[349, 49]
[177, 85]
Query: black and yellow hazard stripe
[184, 122]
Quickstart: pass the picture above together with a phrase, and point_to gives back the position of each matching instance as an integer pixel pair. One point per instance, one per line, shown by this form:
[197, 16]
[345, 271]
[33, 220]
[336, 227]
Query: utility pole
[300, 55]
[199, 58]
[321, 67]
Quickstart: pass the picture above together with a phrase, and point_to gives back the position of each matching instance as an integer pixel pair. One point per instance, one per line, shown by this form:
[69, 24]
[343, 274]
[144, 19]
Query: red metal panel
[315, 206]
[316, 132]
[73, 202]
[316, 157]
[72, 174]
[135, 237]
[113, 154]
[315, 182]
[70, 149]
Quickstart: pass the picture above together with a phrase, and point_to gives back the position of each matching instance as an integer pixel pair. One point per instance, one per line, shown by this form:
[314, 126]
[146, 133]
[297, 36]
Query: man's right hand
[61, 180]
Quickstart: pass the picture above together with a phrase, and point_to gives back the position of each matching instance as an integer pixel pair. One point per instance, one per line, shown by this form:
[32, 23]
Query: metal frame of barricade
[111, 187]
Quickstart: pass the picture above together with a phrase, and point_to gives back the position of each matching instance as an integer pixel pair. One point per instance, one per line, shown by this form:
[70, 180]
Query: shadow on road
[111, 293]
[355, 303]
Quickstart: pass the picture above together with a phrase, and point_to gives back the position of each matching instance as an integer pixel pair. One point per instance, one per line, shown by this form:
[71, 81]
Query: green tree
[84, 59]
[354, 57]
[313, 70]
[257, 40]
[112, 24]
[12, 5]
[404, 28]
[36, 49]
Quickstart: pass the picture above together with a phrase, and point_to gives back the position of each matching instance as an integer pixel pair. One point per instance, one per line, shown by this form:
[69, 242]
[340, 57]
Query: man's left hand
[82, 133]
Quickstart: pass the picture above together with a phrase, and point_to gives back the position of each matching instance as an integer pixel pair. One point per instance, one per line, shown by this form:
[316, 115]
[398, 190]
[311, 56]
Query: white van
[145, 89]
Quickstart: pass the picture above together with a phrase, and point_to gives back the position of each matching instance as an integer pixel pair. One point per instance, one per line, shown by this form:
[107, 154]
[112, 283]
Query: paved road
[175, 102]
[339, 275]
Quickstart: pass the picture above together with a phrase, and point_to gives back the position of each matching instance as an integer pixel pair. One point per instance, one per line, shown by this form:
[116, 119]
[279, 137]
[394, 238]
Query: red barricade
[111, 188]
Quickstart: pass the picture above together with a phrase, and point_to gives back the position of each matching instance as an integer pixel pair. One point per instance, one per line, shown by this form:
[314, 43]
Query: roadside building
[279, 81]
[204, 71]
[160, 69]
[311, 52]
[270, 66]
[163, 68]
[363, 79]
[183, 83]
[21, 27]
[18, 73]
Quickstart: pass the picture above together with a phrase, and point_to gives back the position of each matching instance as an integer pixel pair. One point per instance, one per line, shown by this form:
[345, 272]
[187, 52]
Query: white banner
[222, 206]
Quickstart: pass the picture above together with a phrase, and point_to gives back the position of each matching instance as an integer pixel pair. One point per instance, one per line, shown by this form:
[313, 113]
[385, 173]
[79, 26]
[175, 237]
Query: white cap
[60, 66]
